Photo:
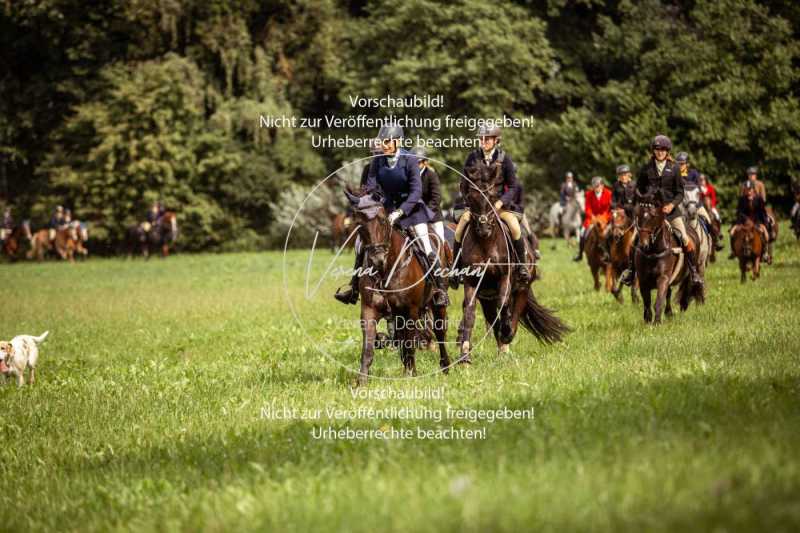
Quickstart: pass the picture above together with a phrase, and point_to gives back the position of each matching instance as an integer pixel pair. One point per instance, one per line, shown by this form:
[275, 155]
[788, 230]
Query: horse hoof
[503, 349]
[464, 360]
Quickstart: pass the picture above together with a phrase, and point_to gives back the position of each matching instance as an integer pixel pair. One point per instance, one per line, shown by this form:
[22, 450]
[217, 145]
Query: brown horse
[64, 244]
[660, 263]
[594, 252]
[393, 286]
[623, 235]
[748, 245]
[341, 228]
[18, 235]
[488, 257]
[164, 233]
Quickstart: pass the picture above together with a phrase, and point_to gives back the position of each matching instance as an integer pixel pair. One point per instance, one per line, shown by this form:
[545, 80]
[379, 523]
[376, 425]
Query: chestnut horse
[488, 258]
[748, 245]
[341, 227]
[594, 253]
[64, 244]
[394, 287]
[623, 235]
[12, 243]
[660, 262]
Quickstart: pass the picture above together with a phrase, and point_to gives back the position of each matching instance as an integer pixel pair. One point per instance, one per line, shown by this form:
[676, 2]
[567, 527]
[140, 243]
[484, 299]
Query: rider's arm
[414, 186]
[510, 181]
[435, 200]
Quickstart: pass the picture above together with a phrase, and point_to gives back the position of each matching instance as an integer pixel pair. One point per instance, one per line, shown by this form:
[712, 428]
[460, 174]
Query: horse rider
[752, 206]
[690, 175]
[598, 205]
[396, 175]
[660, 176]
[708, 191]
[7, 227]
[752, 177]
[57, 222]
[796, 193]
[567, 193]
[431, 190]
[623, 194]
[492, 155]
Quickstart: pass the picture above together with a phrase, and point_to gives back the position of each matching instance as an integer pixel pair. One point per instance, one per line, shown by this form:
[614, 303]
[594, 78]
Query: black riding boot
[581, 242]
[629, 274]
[604, 247]
[694, 276]
[716, 237]
[454, 277]
[522, 270]
[350, 294]
[440, 285]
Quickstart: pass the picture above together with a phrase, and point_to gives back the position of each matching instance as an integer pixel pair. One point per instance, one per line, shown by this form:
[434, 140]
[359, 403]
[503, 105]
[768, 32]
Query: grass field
[149, 409]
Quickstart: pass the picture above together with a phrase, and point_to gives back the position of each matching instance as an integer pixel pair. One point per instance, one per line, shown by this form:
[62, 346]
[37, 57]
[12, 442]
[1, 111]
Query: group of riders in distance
[65, 237]
[656, 232]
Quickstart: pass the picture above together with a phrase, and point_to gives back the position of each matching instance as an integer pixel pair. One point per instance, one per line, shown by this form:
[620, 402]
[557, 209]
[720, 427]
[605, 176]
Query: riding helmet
[752, 170]
[390, 132]
[682, 157]
[623, 169]
[597, 180]
[661, 141]
[490, 130]
[569, 175]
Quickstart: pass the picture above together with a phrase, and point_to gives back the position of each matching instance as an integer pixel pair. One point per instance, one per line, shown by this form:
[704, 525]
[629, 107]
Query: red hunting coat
[597, 207]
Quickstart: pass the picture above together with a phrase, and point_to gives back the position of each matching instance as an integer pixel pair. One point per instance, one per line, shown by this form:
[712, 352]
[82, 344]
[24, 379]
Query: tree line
[106, 108]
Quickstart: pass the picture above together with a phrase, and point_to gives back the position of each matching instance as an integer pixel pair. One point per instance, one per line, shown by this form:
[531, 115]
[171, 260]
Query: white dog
[20, 353]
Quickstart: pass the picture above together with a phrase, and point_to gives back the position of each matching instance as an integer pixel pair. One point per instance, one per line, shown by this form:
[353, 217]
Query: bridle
[655, 235]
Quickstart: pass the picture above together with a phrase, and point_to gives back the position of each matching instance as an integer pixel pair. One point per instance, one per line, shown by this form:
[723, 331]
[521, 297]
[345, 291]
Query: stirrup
[440, 298]
[626, 278]
[522, 274]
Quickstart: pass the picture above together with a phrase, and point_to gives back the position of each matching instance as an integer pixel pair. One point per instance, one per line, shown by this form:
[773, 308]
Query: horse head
[619, 223]
[650, 222]
[691, 201]
[374, 229]
[481, 196]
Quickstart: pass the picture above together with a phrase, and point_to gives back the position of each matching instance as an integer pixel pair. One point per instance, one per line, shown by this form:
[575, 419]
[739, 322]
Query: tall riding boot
[581, 242]
[629, 274]
[522, 269]
[454, 277]
[604, 247]
[440, 286]
[716, 237]
[695, 277]
[350, 294]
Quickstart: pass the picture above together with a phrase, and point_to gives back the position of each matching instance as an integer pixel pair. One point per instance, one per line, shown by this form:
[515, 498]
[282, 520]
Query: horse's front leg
[369, 326]
[647, 302]
[505, 304]
[668, 303]
[756, 267]
[743, 269]
[440, 329]
[467, 322]
[662, 285]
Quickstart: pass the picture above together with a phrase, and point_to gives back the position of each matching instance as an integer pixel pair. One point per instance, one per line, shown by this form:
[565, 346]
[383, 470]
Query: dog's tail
[41, 337]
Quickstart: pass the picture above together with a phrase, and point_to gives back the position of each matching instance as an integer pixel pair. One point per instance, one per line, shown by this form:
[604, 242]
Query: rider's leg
[514, 228]
[438, 229]
[766, 252]
[440, 292]
[688, 250]
[51, 234]
[527, 226]
[350, 294]
[581, 242]
[715, 236]
[459, 234]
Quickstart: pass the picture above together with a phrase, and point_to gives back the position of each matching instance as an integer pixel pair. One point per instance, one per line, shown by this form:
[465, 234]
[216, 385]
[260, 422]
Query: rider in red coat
[598, 204]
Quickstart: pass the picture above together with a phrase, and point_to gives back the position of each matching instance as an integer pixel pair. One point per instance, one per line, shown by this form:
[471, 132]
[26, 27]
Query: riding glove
[394, 215]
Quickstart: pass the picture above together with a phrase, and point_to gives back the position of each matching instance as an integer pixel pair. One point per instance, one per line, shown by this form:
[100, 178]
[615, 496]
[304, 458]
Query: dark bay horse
[748, 245]
[164, 233]
[341, 227]
[660, 262]
[487, 254]
[623, 236]
[392, 285]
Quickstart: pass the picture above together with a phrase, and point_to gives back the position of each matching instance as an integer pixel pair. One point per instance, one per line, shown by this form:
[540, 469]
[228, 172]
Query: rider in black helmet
[661, 177]
[491, 154]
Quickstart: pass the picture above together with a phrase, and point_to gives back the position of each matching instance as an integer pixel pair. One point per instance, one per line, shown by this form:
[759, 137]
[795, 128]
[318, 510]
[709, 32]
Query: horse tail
[542, 322]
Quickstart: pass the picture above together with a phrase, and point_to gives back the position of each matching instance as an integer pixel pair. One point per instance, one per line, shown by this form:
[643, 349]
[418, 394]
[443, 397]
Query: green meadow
[155, 389]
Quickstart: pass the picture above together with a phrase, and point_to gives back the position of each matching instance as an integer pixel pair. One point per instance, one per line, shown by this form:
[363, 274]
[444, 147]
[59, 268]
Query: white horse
[567, 221]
